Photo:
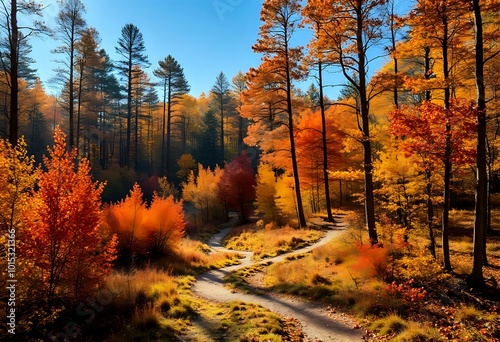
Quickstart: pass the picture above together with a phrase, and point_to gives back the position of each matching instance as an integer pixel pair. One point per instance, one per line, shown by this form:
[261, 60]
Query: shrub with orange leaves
[155, 229]
[371, 260]
[63, 237]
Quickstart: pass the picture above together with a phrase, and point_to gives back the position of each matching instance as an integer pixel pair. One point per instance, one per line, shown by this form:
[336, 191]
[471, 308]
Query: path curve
[315, 320]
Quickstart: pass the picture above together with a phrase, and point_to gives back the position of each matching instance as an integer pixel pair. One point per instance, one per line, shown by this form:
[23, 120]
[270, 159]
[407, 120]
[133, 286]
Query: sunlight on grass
[418, 332]
[392, 324]
[270, 242]
[240, 321]
[159, 305]
[194, 257]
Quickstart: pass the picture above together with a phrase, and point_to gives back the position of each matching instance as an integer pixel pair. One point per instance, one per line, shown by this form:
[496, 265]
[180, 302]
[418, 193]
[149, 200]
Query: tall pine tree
[174, 85]
[132, 49]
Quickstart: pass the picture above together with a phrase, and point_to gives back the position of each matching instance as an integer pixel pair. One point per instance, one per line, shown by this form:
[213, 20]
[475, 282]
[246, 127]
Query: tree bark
[163, 127]
[430, 214]
[325, 146]
[295, 168]
[14, 89]
[480, 219]
[367, 149]
[129, 111]
[447, 153]
[169, 127]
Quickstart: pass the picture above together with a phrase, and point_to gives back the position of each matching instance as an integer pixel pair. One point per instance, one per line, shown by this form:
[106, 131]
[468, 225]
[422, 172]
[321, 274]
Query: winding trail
[316, 321]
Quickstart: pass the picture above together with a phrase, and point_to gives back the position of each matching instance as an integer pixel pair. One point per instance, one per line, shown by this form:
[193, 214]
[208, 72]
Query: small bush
[468, 313]
[146, 319]
[392, 324]
[417, 332]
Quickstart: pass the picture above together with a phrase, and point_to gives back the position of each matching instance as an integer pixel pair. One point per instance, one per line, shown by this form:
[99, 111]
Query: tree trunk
[14, 89]
[427, 70]
[163, 127]
[71, 89]
[136, 130]
[129, 112]
[367, 149]
[222, 127]
[169, 127]
[430, 214]
[447, 152]
[325, 147]
[480, 219]
[79, 108]
[394, 57]
[295, 168]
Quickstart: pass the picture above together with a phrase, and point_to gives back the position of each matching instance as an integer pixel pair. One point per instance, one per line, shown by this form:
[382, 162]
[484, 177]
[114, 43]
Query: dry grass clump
[418, 332]
[392, 324]
[192, 257]
[156, 303]
[197, 256]
[271, 240]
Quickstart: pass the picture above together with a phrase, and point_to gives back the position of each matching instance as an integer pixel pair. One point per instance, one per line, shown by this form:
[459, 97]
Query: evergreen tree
[131, 48]
[70, 24]
[208, 141]
[220, 91]
[13, 58]
[174, 85]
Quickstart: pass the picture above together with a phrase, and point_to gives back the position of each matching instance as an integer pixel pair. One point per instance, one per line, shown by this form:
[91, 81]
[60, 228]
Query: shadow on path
[315, 320]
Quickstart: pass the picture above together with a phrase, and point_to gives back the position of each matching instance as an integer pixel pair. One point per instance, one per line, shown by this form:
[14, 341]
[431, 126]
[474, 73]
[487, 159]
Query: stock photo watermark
[11, 281]
[90, 308]
[224, 6]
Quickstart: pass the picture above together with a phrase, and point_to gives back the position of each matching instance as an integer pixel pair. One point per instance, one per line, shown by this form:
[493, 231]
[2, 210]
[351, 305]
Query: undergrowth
[271, 240]
[396, 287]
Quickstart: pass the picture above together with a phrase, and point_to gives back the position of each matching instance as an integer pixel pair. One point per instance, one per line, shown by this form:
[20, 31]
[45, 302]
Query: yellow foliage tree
[275, 198]
[17, 179]
[201, 191]
[186, 164]
[402, 183]
[266, 194]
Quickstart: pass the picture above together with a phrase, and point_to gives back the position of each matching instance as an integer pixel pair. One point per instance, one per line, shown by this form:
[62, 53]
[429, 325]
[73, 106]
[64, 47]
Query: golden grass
[193, 257]
[157, 304]
[270, 242]
[240, 321]
[139, 287]
[392, 324]
[468, 313]
[461, 243]
[418, 332]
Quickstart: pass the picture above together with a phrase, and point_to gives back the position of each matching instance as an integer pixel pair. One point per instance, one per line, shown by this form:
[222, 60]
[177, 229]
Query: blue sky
[204, 36]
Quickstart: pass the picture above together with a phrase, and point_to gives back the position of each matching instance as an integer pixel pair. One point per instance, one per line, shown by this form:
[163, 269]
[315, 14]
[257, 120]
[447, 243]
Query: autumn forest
[122, 193]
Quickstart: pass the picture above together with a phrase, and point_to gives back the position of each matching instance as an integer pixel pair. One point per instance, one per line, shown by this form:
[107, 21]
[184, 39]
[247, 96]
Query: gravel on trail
[318, 322]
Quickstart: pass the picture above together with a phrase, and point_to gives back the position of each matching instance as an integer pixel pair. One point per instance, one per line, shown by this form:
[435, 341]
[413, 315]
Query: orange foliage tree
[432, 132]
[310, 147]
[281, 64]
[63, 238]
[156, 229]
[348, 29]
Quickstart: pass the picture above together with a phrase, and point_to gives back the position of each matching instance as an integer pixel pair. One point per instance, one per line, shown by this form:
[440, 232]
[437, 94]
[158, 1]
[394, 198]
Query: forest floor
[318, 322]
[449, 310]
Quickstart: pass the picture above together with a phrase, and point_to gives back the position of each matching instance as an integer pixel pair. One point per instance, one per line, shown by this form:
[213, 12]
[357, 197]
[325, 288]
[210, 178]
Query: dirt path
[316, 321]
